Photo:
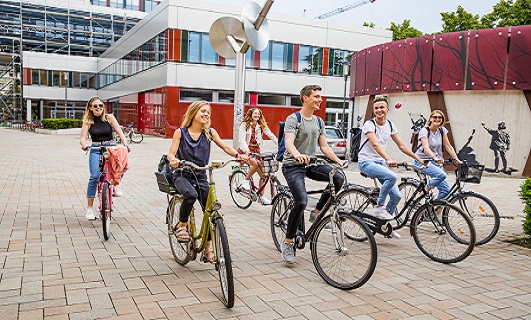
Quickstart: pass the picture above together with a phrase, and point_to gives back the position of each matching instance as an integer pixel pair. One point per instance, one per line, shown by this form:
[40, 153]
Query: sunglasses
[437, 117]
[97, 106]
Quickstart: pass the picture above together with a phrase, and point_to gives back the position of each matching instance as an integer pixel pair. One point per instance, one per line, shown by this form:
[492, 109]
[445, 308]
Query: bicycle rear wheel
[180, 251]
[407, 188]
[224, 262]
[282, 204]
[447, 237]
[136, 137]
[105, 210]
[240, 197]
[483, 213]
[347, 258]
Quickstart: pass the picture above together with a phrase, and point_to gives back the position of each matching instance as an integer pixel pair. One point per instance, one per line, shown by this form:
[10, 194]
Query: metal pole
[263, 13]
[345, 77]
[66, 94]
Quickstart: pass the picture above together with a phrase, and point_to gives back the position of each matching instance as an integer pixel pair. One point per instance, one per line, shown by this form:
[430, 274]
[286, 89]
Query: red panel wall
[392, 71]
[417, 64]
[519, 65]
[449, 61]
[373, 73]
[359, 62]
[487, 54]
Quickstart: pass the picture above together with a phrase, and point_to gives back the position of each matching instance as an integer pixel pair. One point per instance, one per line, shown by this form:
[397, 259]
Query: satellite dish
[225, 34]
[258, 39]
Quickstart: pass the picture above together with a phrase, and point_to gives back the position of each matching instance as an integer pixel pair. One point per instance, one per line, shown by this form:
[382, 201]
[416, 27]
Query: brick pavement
[54, 263]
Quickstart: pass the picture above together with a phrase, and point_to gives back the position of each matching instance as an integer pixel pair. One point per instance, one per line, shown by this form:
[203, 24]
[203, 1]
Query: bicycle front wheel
[240, 197]
[407, 189]
[224, 263]
[345, 256]
[483, 213]
[180, 251]
[282, 204]
[443, 232]
[136, 137]
[105, 210]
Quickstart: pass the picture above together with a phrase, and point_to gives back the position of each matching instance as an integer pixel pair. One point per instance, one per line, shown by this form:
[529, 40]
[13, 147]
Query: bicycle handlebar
[216, 164]
[264, 156]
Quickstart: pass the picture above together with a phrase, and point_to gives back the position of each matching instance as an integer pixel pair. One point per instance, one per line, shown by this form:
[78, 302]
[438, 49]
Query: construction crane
[343, 9]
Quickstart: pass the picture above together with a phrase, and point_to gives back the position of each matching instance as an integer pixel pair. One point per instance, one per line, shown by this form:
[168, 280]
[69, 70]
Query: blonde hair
[88, 116]
[441, 114]
[190, 115]
[248, 119]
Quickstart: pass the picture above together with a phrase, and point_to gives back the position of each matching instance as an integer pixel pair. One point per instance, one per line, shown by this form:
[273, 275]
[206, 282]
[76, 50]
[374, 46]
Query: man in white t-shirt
[374, 161]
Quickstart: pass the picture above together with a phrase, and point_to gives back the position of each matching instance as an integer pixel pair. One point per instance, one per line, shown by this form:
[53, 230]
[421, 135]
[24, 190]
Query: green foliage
[508, 13]
[461, 20]
[61, 123]
[525, 194]
[404, 30]
[370, 25]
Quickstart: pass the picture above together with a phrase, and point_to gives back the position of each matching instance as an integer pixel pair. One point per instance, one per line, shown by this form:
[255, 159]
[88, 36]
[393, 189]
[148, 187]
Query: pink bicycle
[105, 190]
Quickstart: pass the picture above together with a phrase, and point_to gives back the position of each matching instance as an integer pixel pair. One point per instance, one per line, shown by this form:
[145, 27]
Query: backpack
[375, 128]
[282, 139]
[415, 143]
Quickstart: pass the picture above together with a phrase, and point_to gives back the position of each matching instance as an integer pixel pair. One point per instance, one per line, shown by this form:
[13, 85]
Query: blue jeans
[380, 171]
[437, 178]
[94, 167]
[295, 175]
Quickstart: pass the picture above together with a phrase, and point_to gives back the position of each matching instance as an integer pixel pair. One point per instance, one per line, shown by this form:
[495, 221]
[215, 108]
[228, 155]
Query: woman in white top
[431, 141]
[251, 129]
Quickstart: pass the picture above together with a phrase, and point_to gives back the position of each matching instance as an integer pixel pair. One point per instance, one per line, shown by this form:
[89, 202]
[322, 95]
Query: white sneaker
[246, 185]
[381, 213]
[265, 201]
[117, 191]
[90, 214]
[395, 234]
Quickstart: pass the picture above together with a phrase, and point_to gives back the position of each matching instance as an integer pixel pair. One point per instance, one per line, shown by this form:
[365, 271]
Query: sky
[424, 14]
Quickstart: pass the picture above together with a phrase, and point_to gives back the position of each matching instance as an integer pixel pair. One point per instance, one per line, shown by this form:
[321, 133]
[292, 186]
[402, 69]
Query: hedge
[61, 123]
[525, 194]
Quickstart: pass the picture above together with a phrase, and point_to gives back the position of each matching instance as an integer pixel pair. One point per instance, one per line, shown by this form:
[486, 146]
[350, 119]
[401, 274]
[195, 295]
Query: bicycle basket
[470, 172]
[270, 166]
[164, 185]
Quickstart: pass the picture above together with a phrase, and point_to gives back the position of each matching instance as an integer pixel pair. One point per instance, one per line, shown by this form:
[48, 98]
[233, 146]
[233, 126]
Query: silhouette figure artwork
[419, 123]
[466, 153]
[500, 143]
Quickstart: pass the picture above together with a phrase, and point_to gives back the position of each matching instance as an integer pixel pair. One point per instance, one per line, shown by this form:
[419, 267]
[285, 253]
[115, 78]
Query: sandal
[182, 235]
[208, 256]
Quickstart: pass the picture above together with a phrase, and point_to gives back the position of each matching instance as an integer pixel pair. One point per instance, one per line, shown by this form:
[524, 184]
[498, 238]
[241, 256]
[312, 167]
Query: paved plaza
[54, 264]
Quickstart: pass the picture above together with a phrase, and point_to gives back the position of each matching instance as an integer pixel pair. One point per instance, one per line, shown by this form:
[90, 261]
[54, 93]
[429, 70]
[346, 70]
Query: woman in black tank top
[191, 142]
[99, 125]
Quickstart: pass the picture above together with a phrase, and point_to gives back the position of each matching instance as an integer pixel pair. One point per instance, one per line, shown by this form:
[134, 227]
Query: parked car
[336, 141]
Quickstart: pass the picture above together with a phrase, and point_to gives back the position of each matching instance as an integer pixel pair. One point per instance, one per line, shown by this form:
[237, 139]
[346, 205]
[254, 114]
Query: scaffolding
[11, 101]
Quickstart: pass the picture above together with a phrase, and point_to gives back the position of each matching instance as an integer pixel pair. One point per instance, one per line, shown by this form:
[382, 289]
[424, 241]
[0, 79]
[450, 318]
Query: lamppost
[65, 76]
[346, 65]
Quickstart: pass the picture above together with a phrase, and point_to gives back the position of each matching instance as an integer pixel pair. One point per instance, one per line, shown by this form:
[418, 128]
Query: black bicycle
[480, 209]
[442, 231]
[343, 248]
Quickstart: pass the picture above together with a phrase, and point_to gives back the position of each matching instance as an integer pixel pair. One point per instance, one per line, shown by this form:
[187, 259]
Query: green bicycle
[212, 228]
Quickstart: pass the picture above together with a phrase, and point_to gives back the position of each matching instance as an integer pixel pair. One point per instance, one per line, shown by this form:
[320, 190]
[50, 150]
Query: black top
[100, 131]
[197, 151]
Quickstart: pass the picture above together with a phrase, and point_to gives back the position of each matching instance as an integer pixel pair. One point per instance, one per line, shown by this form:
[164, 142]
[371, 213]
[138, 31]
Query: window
[208, 55]
[305, 59]
[44, 77]
[265, 57]
[35, 76]
[336, 60]
[279, 56]
[272, 99]
[296, 101]
[194, 45]
[195, 95]
[226, 97]
[132, 4]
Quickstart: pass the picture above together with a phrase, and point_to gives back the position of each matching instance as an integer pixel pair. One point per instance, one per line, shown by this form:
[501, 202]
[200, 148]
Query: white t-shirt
[435, 141]
[383, 134]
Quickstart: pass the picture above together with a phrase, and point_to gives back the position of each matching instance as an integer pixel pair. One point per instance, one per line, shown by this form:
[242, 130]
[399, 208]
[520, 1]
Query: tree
[461, 20]
[369, 24]
[508, 13]
[404, 30]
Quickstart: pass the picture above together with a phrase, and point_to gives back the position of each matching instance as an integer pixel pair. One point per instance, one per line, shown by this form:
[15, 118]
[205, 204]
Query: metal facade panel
[449, 61]
[417, 64]
[487, 56]
[373, 72]
[392, 67]
[519, 65]
[360, 57]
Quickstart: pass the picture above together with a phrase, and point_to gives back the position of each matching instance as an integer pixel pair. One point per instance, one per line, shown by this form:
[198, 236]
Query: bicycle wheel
[447, 237]
[282, 204]
[224, 262]
[407, 188]
[105, 210]
[483, 213]
[136, 137]
[116, 137]
[240, 197]
[179, 250]
[354, 199]
[341, 258]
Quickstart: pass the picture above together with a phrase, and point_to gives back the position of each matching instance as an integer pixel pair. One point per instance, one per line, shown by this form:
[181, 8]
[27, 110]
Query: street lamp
[346, 65]
[65, 76]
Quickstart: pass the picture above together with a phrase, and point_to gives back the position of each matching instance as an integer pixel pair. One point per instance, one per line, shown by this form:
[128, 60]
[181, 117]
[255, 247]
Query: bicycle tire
[353, 199]
[180, 251]
[282, 204]
[136, 137]
[483, 213]
[105, 210]
[241, 198]
[406, 188]
[353, 264]
[454, 236]
[224, 262]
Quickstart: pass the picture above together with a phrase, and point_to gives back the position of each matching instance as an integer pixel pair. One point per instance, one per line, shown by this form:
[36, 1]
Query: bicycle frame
[104, 176]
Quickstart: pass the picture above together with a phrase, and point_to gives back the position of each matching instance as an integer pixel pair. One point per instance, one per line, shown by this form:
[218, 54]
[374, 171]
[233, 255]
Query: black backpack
[416, 143]
[282, 139]
[375, 128]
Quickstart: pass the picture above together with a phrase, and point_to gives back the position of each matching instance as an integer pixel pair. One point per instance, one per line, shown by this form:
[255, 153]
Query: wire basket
[470, 173]
[269, 166]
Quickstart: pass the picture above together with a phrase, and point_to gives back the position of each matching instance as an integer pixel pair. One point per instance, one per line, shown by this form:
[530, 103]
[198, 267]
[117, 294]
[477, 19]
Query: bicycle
[442, 231]
[212, 227]
[243, 198]
[345, 255]
[130, 133]
[481, 210]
